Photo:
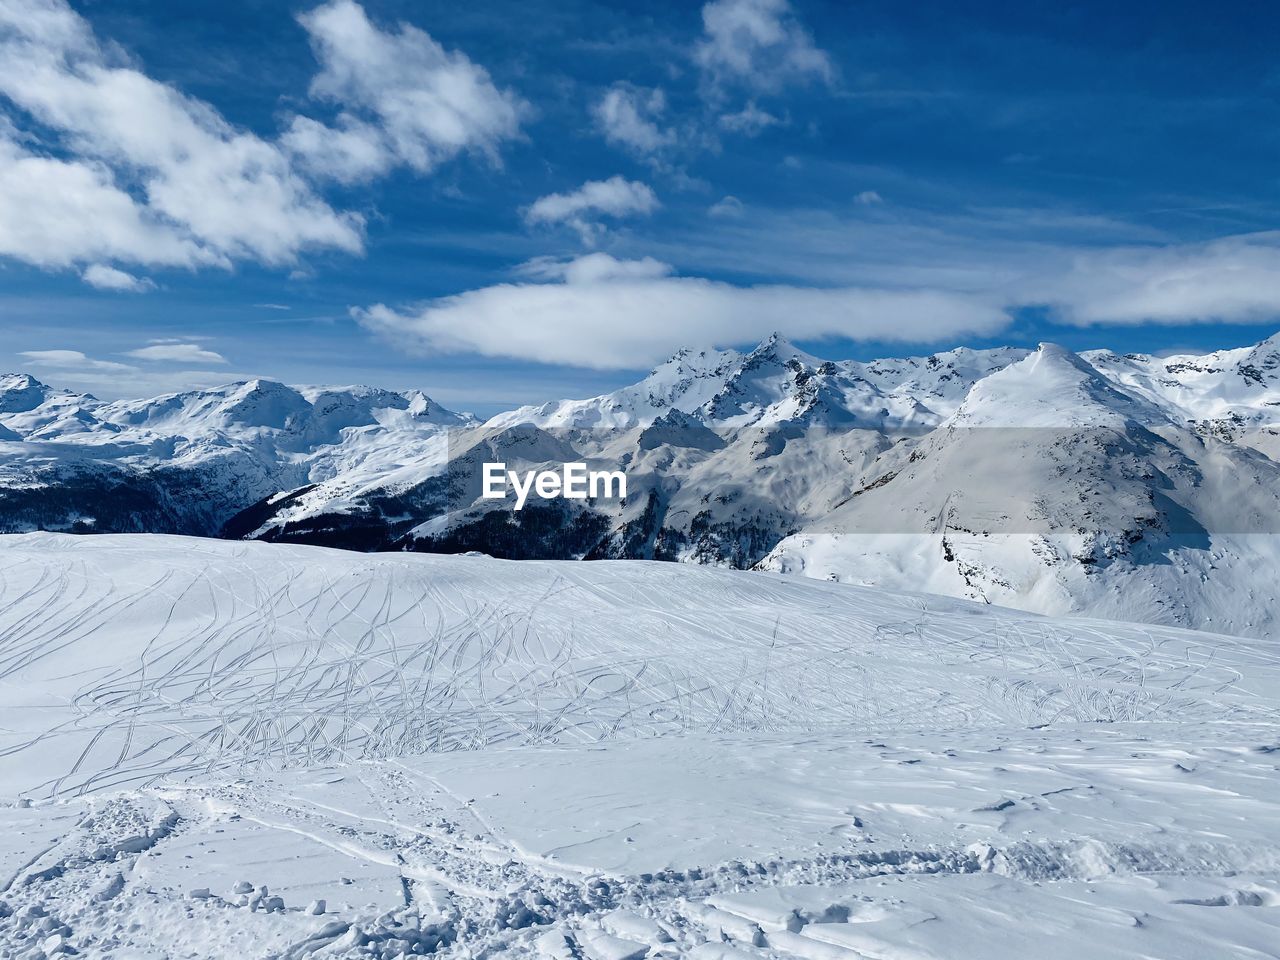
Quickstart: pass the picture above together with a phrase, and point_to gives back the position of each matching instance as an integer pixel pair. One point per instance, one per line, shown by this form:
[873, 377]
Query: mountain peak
[1052, 387]
[262, 385]
[1047, 348]
[777, 347]
[17, 381]
[1262, 363]
[1055, 363]
[20, 392]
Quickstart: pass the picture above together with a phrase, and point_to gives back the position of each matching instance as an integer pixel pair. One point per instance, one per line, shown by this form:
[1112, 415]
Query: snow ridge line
[674, 898]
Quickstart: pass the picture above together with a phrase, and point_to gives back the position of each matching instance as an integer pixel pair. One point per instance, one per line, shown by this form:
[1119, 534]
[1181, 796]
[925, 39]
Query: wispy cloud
[72, 360]
[726, 207]
[593, 268]
[583, 208]
[177, 353]
[759, 44]
[102, 277]
[750, 120]
[630, 117]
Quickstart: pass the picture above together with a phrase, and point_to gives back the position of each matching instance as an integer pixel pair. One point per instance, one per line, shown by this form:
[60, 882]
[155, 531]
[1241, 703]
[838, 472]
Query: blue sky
[524, 201]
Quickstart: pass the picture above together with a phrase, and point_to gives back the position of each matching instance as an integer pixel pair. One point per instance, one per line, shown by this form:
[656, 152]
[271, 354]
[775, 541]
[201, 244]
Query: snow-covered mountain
[188, 462]
[725, 454]
[1128, 486]
[776, 383]
[1057, 489]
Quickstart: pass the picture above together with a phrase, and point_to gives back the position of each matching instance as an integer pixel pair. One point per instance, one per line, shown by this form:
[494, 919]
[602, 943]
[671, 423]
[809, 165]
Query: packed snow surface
[229, 750]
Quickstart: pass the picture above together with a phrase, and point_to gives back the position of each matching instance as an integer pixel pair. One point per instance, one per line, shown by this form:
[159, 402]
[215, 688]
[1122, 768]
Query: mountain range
[1133, 487]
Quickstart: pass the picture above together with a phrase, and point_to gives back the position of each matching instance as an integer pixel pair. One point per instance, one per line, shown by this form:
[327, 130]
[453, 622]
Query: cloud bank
[603, 312]
[1233, 279]
[607, 313]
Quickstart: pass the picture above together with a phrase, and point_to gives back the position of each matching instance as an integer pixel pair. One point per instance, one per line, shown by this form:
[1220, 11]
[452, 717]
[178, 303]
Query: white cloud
[757, 43]
[102, 277]
[611, 314]
[627, 117]
[750, 120]
[1234, 279]
[406, 100]
[581, 209]
[593, 268]
[56, 213]
[145, 173]
[868, 198]
[349, 152]
[177, 353]
[111, 381]
[726, 208]
[71, 360]
[600, 312]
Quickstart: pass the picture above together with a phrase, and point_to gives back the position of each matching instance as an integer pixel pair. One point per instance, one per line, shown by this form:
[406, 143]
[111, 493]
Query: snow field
[226, 750]
[124, 659]
[1105, 840]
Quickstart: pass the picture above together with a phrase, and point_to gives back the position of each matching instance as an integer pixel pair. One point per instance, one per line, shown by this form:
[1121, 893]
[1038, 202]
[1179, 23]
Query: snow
[1118, 843]
[229, 750]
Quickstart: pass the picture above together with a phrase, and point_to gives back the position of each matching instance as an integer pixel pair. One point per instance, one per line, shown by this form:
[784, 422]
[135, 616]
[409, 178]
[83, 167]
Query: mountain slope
[1055, 489]
[1133, 486]
[725, 454]
[188, 462]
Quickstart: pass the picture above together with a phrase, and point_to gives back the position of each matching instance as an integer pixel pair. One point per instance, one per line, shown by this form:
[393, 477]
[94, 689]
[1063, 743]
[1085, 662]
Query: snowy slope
[1244, 381]
[269, 751]
[176, 654]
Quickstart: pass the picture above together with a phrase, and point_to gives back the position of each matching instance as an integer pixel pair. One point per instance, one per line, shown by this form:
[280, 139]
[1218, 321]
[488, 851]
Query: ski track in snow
[462, 756]
[211, 661]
